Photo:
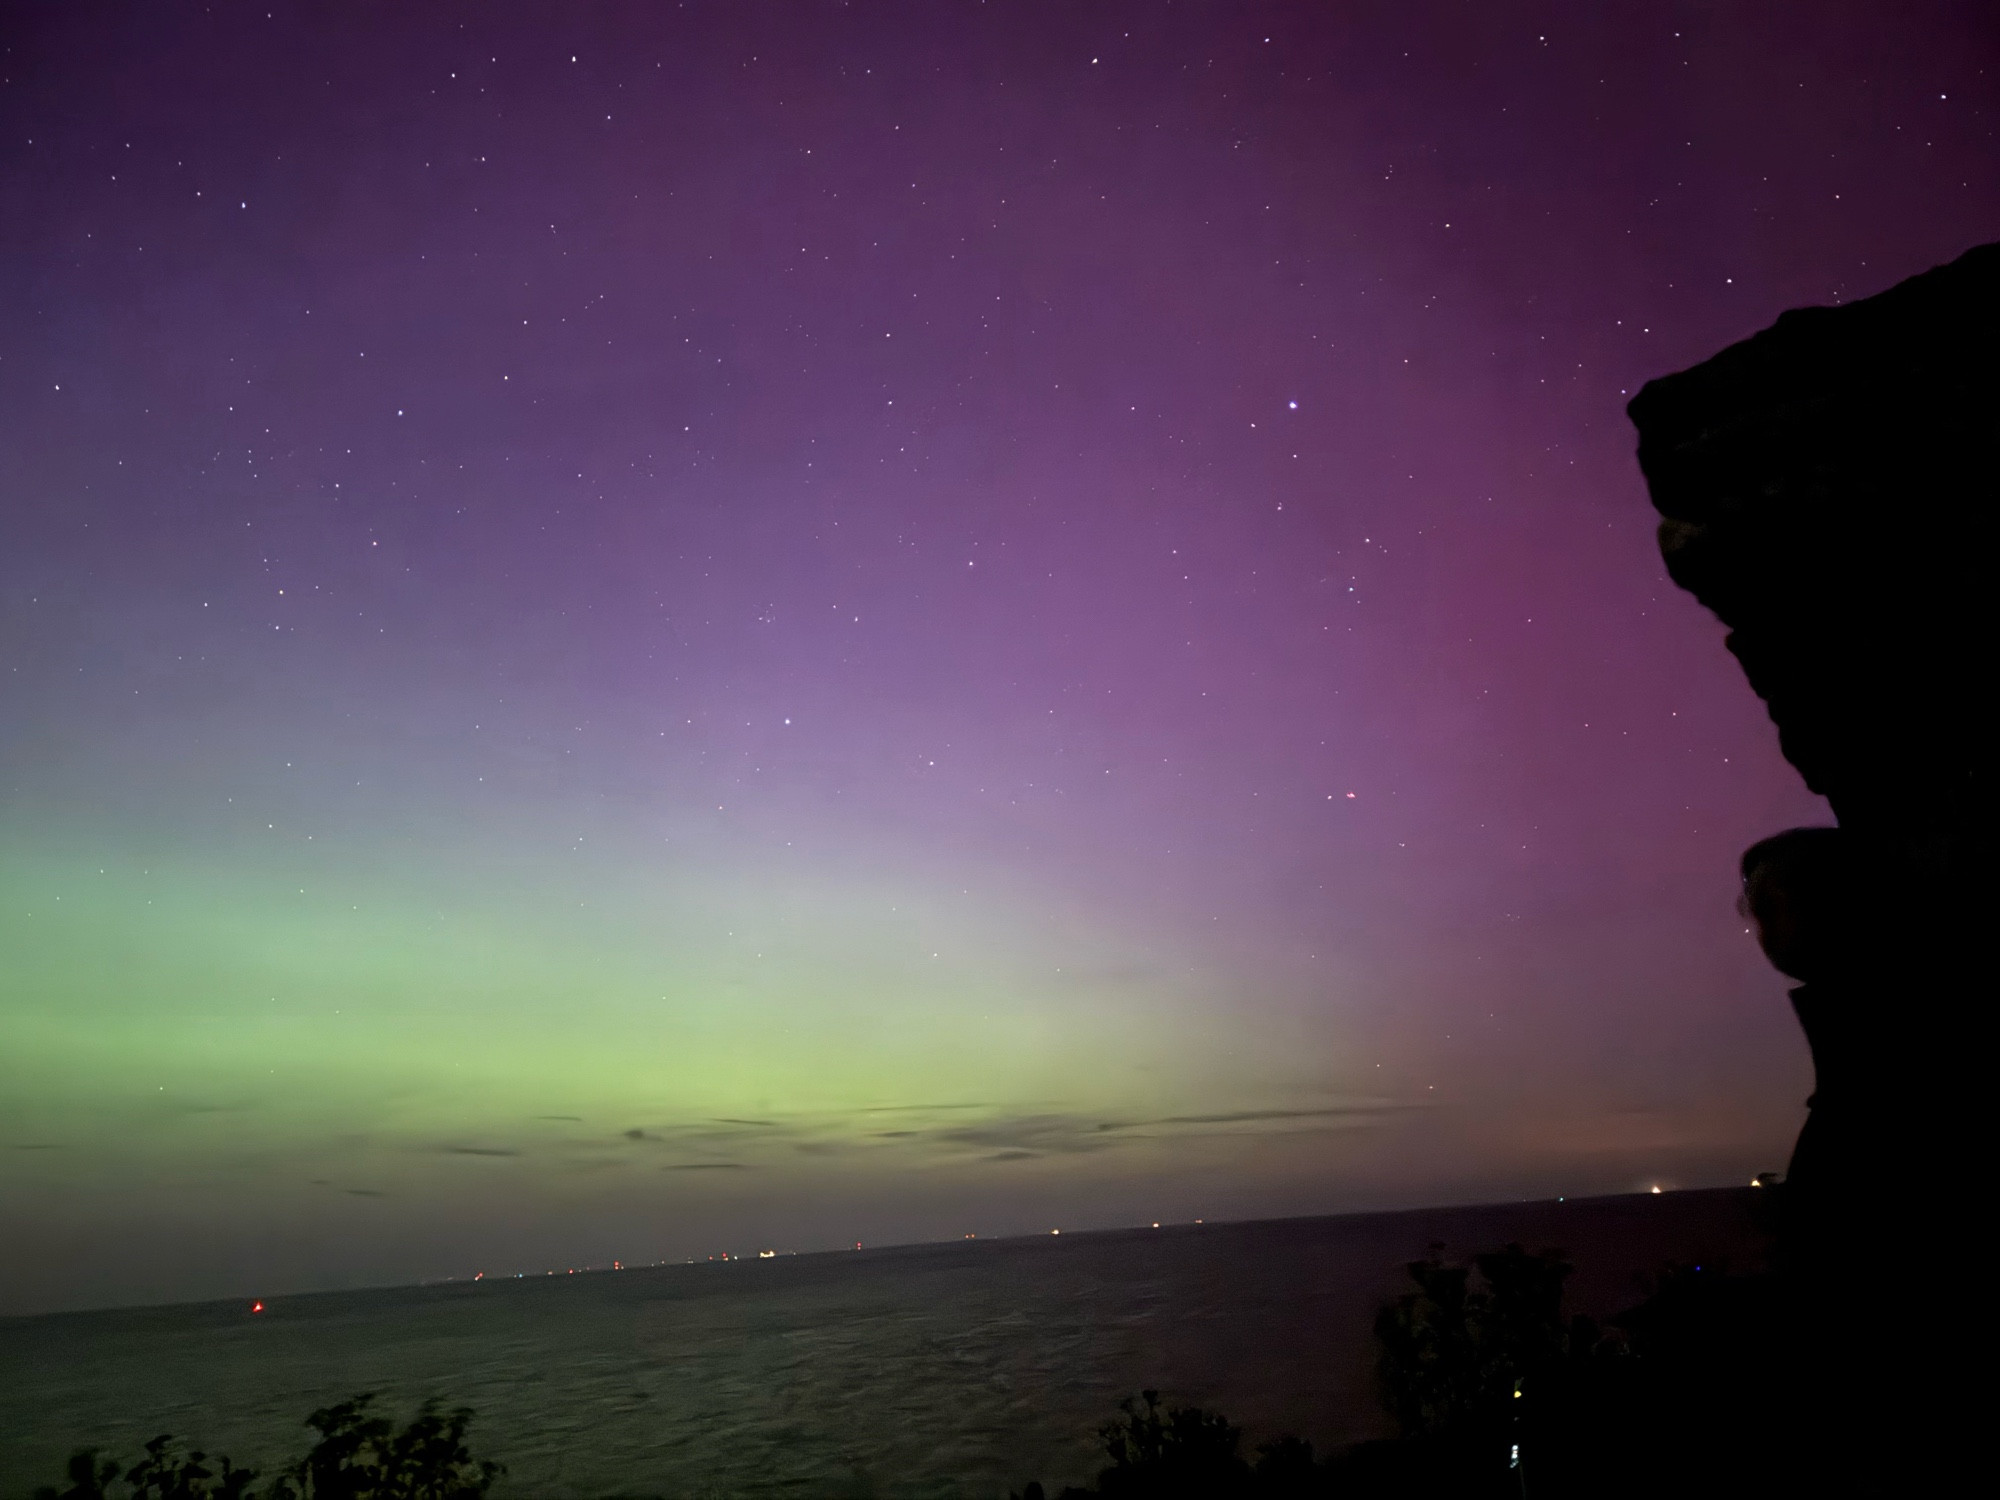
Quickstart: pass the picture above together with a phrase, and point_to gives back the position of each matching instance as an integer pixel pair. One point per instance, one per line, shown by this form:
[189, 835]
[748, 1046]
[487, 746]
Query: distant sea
[959, 1369]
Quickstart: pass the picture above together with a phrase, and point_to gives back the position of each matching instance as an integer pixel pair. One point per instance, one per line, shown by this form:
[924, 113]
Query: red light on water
[256, 1307]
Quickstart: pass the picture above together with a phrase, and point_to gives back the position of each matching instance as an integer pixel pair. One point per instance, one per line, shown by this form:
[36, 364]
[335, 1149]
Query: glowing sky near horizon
[632, 632]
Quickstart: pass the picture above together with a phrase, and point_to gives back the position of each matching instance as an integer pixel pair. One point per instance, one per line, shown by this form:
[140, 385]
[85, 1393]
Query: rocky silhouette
[1827, 488]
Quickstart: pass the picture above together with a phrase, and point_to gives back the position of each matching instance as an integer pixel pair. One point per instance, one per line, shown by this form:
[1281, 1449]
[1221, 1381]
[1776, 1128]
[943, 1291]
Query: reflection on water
[940, 1370]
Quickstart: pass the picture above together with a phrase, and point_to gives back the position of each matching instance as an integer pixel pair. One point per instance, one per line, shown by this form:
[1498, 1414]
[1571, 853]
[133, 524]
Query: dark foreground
[937, 1370]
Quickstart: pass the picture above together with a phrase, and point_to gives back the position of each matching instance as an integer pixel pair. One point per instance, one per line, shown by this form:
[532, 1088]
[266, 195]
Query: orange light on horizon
[256, 1307]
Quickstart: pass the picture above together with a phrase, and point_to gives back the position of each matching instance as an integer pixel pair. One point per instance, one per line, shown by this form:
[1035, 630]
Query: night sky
[644, 631]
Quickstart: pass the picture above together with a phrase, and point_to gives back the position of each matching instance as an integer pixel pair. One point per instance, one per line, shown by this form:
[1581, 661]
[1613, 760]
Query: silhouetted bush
[87, 1474]
[359, 1456]
[167, 1474]
[1185, 1453]
[1456, 1357]
[1496, 1392]
[1180, 1451]
[1480, 1375]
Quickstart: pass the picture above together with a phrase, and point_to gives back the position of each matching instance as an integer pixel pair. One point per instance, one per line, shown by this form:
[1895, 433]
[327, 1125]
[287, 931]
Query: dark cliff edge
[1827, 488]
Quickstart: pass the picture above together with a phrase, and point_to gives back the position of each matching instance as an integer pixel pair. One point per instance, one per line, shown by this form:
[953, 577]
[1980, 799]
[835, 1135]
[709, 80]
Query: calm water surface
[937, 1370]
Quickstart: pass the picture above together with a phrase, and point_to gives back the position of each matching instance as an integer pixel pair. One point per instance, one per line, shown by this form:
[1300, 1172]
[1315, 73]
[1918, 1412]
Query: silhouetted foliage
[1186, 1453]
[87, 1474]
[359, 1456]
[1456, 1357]
[1182, 1450]
[1477, 1374]
[167, 1474]
[1286, 1468]
[1498, 1393]
[363, 1457]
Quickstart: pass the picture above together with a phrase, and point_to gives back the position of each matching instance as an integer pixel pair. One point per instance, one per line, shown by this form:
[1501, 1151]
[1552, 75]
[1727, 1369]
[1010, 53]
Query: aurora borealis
[632, 631]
